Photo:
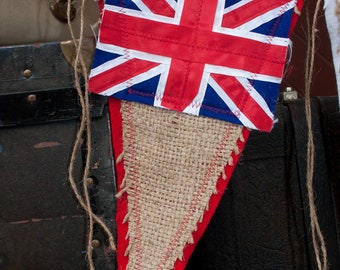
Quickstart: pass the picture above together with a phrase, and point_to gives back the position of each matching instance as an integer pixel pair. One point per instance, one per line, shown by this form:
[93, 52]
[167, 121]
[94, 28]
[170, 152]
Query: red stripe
[182, 84]
[248, 12]
[160, 7]
[199, 14]
[247, 105]
[119, 74]
[196, 45]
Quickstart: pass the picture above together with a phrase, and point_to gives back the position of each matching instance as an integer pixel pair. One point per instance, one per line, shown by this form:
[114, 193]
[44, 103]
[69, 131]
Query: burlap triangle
[172, 162]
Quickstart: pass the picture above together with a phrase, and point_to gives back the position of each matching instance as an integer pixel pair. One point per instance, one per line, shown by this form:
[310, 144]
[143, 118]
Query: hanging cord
[317, 237]
[85, 125]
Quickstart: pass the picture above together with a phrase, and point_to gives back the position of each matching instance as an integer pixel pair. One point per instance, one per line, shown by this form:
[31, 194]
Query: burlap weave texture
[172, 162]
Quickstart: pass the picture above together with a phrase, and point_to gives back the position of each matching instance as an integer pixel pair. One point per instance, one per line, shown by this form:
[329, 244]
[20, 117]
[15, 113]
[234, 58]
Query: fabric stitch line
[187, 71]
[136, 201]
[132, 91]
[125, 37]
[245, 101]
[199, 15]
[195, 200]
[207, 48]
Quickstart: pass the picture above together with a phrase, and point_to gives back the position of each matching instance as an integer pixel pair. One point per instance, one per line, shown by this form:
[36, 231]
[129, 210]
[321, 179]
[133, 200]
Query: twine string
[85, 125]
[317, 236]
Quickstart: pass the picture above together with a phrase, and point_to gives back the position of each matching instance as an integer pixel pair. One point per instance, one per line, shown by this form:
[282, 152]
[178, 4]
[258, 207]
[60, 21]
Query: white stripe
[178, 11]
[232, 106]
[137, 79]
[266, 17]
[108, 65]
[241, 73]
[142, 15]
[237, 5]
[133, 53]
[142, 6]
[195, 106]
[250, 35]
[172, 3]
[219, 14]
[256, 96]
[161, 86]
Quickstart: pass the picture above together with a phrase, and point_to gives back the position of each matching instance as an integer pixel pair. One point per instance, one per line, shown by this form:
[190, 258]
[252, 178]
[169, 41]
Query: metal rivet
[95, 243]
[89, 181]
[32, 98]
[27, 73]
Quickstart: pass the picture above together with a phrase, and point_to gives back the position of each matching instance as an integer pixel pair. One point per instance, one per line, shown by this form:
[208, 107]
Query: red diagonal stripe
[196, 45]
[248, 12]
[119, 74]
[247, 105]
[160, 7]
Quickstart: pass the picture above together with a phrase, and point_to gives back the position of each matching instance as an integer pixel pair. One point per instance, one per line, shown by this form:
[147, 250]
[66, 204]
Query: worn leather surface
[262, 221]
[41, 224]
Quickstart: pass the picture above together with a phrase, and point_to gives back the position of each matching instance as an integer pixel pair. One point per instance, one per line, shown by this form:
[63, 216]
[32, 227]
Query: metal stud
[32, 98]
[27, 73]
[95, 243]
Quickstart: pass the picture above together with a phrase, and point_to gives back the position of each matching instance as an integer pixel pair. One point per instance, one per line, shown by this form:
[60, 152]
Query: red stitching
[152, 37]
[194, 202]
[174, 101]
[269, 39]
[134, 175]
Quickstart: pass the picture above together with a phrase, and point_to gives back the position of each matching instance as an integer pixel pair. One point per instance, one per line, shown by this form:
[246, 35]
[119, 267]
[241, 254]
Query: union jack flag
[217, 58]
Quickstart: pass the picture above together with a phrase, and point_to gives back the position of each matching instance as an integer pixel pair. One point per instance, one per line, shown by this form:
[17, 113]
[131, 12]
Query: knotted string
[84, 128]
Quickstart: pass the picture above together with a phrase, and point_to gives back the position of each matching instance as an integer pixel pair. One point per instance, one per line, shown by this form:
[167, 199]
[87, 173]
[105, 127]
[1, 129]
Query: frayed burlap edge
[172, 162]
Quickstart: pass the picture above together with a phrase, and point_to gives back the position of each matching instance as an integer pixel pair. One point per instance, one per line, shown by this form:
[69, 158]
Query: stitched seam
[175, 101]
[194, 202]
[243, 103]
[135, 189]
[203, 47]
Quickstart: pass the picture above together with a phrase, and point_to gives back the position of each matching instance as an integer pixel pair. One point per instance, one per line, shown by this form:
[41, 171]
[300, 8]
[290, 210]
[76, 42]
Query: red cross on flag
[221, 59]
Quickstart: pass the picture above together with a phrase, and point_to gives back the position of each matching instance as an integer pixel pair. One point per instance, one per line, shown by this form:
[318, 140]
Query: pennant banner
[174, 170]
[221, 59]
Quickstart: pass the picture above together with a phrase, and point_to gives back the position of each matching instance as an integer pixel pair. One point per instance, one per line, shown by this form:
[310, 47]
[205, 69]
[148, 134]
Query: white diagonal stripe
[241, 73]
[141, 14]
[232, 106]
[108, 65]
[134, 80]
[172, 3]
[133, 53]
[251, 35]
[256, 96]
[235, 6]
[266, 17]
